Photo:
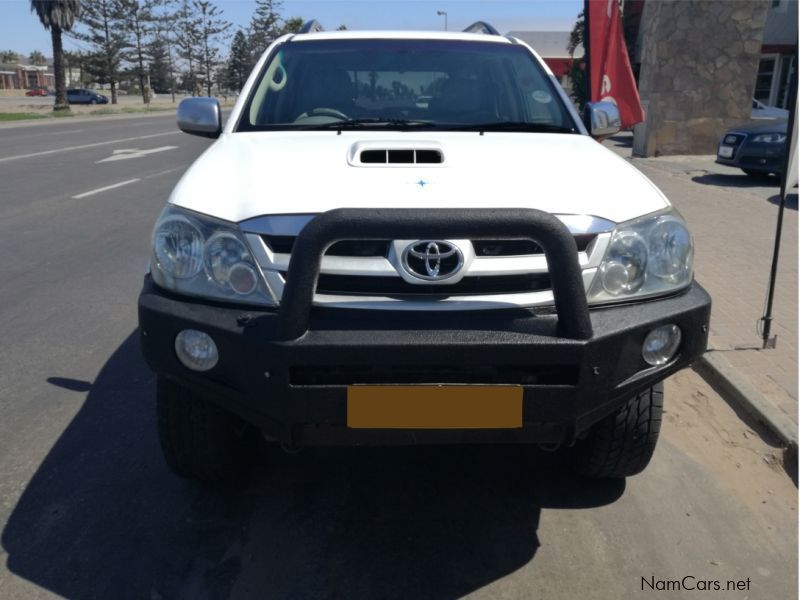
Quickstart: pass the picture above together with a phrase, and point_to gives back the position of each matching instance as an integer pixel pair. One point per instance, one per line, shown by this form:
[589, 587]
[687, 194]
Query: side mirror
[200, 116]
[602, 119]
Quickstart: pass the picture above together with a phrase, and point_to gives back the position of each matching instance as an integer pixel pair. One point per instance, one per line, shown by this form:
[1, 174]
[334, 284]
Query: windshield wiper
[512, 126]
[367, 121]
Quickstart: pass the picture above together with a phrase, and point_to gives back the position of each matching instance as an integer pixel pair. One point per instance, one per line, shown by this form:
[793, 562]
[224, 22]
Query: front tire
[202, 441]
[623, 443]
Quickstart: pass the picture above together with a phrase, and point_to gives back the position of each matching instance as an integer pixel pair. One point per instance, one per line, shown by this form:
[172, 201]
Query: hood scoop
[376, 154]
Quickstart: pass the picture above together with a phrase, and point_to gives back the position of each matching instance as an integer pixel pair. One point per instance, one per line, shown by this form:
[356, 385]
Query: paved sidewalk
[733, 218]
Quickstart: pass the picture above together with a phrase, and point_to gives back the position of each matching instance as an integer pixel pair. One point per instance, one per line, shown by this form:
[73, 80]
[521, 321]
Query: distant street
[89, 510]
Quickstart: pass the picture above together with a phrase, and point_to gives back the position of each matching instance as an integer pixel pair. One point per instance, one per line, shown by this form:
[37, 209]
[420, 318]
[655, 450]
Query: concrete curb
[737, 390]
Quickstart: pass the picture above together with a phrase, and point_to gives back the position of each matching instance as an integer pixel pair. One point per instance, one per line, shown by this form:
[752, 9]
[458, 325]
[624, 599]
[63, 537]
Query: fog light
[196, 350]
[661, 344]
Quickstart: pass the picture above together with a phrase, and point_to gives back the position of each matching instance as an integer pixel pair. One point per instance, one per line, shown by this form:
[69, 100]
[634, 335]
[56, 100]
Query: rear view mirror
[602, 119]
[200, 116]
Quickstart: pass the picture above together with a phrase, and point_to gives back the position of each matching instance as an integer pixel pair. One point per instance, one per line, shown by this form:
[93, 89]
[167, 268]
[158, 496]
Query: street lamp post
[442, 13]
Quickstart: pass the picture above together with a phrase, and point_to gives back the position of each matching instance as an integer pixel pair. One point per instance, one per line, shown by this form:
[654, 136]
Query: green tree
[138, 23]
[57, 16]
[576, 35]
[101, 26]
[264, 26]
[166, 28]
[238, 66]
[341, 28]
[158, 65]
[212, 28]
[37, 58]
[9, 56]
[292, 25]
[73, 61]
[189, 44]
[577, 70]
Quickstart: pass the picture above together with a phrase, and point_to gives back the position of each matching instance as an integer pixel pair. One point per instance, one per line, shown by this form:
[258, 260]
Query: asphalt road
[89, 510]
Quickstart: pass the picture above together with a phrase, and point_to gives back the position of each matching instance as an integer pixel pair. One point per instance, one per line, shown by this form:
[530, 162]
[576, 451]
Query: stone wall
[698, 71]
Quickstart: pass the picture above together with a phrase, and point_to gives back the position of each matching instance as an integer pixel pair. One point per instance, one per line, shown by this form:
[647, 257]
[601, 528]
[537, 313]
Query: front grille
[370, 273]
[283, 244]
[395, 286]
[434, 374]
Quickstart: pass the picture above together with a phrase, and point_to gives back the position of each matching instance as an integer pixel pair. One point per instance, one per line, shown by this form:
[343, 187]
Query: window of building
[767, 69]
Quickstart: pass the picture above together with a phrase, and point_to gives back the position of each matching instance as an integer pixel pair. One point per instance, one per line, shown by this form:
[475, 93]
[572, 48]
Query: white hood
[245, 175]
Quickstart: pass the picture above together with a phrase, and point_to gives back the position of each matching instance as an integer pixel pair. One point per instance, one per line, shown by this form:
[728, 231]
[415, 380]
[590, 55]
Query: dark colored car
[36, 92]
[82, 96]
[756, 148]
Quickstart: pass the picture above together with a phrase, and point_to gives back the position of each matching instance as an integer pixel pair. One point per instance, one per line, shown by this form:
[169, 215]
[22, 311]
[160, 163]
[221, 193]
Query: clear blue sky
[21, 31]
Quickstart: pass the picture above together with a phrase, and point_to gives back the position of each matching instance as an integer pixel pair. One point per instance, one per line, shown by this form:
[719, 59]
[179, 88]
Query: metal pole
[442, 13]
[773, 275]
[587, 63]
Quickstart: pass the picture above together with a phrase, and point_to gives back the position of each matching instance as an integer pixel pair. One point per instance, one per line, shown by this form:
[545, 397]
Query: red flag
[611, 78]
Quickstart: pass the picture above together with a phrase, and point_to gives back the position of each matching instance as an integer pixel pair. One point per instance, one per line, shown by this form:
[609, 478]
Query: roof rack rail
[311, 26]
[481, 27]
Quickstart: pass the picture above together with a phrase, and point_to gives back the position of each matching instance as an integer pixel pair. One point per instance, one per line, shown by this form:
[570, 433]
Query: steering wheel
[328, 112]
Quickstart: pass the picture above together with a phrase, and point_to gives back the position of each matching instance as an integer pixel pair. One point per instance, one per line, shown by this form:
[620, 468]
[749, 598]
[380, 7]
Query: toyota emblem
[432, 260]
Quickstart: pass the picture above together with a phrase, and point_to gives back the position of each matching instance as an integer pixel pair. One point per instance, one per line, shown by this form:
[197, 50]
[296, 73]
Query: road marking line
[106, 143]
[104, 189]
[125, 154]
[160, 173]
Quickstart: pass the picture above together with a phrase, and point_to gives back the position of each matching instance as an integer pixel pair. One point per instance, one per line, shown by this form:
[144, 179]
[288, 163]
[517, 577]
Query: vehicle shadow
[103, 518]
[622, 141]
[737, 180]
[791, 200]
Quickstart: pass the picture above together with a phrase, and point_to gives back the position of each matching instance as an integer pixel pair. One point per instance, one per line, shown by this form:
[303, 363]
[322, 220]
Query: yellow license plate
[434, 407]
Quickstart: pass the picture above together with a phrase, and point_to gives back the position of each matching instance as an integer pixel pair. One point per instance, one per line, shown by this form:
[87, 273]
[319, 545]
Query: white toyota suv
[412, 237]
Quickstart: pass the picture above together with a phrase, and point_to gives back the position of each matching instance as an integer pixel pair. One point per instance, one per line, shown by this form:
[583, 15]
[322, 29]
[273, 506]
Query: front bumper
[752, 156]
[287, 371]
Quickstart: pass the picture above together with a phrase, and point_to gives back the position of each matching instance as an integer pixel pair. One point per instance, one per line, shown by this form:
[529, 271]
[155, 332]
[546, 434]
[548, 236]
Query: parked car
[756, 148]
[83, 96]
[473, 289]
[762, 111]
[40, 91]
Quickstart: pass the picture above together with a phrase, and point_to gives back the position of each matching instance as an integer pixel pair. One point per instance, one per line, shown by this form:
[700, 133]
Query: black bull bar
[343, 224]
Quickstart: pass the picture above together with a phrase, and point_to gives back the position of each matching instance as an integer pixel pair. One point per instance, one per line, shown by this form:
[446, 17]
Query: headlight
[648, 256]
[201, 256]
[625, 265]
[770, 138]
[178, 248]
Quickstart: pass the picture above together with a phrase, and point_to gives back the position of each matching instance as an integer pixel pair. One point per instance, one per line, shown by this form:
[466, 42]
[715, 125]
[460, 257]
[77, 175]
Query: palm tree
[57, 16]
[37, 58]
[8, 56]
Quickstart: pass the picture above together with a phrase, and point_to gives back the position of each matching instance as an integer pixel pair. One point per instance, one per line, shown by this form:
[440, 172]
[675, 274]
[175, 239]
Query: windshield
[396, 84]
